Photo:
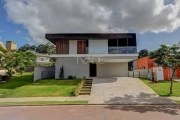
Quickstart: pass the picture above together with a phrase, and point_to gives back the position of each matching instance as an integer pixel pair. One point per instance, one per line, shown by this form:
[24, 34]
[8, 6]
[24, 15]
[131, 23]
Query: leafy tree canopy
[143, 53]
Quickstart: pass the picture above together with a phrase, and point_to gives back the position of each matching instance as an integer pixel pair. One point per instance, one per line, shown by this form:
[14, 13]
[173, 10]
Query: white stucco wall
[38, 71]
[98, 46]
[73, 47]
[112, 70]
[45, 59]
[71, 68]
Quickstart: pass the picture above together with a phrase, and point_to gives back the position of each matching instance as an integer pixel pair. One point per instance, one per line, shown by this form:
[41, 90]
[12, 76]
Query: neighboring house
[10, 45]
[144, 63]
[94, 54]
[147, 63]
[42, 59]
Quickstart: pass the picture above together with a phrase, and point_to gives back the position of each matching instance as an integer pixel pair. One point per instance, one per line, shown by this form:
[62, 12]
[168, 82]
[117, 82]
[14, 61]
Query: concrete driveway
[123, 90]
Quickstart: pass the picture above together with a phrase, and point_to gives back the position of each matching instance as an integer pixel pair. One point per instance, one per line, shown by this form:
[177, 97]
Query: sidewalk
[28, 99]
[78, 98]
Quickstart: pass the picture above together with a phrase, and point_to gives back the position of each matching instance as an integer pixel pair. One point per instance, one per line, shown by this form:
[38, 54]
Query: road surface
[70, 112]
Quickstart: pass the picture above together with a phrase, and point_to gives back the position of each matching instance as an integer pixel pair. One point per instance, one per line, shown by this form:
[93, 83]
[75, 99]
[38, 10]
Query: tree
[48, 48]
[167, 56]
[20, 61]
[27, 47]
[143, 53]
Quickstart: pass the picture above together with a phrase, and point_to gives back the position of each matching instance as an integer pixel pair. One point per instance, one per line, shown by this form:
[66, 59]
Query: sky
[155, 22]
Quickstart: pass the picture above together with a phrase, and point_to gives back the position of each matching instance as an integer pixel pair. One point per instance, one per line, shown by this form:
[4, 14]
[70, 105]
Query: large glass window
[122, 46]
[112, 46]
[131, 42]
[122, 42]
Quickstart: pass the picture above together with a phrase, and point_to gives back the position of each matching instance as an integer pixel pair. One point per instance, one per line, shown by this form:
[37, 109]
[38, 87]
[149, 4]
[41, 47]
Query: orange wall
[167, 73]
[150, 63]
[178, 73]
[145, 61]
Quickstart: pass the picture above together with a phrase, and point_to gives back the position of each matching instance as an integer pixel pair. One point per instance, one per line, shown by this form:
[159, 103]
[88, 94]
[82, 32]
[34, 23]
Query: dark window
[112, 42]
[131, 42]
[87, 43]
[122, 42]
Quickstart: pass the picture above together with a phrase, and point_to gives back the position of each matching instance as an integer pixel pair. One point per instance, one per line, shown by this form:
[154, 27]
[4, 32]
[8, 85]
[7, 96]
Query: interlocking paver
[123, 90]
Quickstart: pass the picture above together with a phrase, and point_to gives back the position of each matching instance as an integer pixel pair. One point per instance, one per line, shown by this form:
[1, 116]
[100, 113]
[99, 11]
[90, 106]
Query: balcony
[122, 50]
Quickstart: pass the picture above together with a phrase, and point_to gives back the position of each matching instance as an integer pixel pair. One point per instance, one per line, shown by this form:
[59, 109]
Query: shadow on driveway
[142, 98]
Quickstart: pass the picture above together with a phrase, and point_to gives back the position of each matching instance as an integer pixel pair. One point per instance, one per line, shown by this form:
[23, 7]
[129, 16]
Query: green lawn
[25, 87]
[162, 87]
[44, 103]
[178, 101]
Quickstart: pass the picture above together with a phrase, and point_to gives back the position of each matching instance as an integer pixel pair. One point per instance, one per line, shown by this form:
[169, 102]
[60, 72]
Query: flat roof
[52, 37]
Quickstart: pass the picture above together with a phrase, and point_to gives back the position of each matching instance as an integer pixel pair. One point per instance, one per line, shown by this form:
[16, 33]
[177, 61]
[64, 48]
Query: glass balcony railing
[122, 50]
[87, 50]
[114, 50]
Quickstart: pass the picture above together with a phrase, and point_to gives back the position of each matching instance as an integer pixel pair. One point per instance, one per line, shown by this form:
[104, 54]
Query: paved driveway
[123, 90]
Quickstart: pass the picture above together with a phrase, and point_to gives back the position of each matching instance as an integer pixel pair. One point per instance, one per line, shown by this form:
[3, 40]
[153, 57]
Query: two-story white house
[94, 54]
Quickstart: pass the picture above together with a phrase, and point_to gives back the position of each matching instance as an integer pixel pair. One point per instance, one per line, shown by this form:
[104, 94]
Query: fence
[47, 74]
[144, 73]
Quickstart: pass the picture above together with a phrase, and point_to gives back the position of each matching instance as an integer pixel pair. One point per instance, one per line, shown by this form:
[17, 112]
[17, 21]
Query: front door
[93, 69]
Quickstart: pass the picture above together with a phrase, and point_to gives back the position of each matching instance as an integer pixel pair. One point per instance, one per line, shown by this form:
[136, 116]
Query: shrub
[84, 78]
[61, 74]
[78, 88]
[74, 77]
[70, 77]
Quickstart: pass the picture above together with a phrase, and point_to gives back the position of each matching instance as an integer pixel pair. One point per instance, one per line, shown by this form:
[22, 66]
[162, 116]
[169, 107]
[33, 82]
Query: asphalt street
[82, 112]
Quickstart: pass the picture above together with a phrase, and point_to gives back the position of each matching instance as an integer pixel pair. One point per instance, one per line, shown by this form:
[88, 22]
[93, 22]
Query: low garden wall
[44, 72]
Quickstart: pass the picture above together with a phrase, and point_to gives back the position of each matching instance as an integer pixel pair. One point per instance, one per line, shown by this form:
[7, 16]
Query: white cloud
[63, 16]
[28, 39]
[18, 31]
[0, 38]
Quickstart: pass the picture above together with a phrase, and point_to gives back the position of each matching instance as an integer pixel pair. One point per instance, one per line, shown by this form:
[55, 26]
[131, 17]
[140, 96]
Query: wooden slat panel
[62, 47]
[81, 47]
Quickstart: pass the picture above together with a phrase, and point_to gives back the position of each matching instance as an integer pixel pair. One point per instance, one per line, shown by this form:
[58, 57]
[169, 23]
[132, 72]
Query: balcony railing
[122, 50]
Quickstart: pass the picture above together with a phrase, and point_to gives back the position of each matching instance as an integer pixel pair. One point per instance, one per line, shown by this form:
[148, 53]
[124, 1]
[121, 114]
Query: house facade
[94, 54]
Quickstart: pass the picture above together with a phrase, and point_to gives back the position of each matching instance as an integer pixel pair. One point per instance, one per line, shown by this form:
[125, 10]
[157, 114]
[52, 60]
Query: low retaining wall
[144, 73]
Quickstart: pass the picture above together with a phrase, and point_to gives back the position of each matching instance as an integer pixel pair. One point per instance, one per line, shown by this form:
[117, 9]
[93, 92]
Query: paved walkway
[123, 90]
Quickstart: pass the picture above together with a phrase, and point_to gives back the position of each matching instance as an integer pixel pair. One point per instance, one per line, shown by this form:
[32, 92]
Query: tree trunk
[171, 87]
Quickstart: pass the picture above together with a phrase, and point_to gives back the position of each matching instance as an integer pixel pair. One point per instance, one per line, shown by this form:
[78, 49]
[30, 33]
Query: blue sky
[11, 28]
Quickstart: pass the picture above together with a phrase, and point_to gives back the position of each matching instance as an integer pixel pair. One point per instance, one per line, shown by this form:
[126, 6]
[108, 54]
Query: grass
[45, 103]
[25, 87]
[162, 88]
[178, 101]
